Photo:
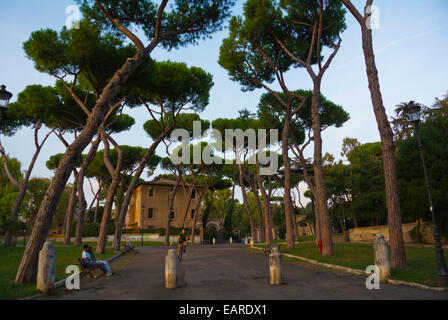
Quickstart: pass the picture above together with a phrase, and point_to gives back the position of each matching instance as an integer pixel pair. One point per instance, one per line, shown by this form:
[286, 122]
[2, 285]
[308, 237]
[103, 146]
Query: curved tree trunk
[131, 188]
[24, 185]
[27, 270]
[190, 195]
[196, 212]
[82, 204]
[111, 191]
[321, 191]
[95, 215]
[95, 199]
[71, 209]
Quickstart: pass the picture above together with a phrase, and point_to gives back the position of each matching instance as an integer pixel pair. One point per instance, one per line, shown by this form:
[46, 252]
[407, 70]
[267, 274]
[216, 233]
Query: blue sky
[411, 49]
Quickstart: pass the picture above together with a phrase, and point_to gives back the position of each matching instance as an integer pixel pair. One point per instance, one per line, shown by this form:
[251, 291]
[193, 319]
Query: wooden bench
[87, 270]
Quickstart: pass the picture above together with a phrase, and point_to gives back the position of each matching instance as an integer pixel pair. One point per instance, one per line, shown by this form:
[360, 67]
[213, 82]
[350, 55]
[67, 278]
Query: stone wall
[367, 234]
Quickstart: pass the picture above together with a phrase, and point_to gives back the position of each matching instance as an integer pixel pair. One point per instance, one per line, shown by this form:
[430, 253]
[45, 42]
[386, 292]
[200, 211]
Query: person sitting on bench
[89, 259]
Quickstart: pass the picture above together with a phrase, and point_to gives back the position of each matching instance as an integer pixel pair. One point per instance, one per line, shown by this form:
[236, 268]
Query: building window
[193, 194]
[172, 214]
[151, 192]
[150, 213]
[192, 213]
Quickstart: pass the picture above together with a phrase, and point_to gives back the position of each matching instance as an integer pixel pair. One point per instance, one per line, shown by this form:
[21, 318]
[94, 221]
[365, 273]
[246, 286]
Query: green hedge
[160, 231]
[93, 229]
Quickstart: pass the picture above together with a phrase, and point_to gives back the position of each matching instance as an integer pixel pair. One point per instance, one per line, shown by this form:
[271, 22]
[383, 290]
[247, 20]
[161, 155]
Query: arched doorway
[215, 230]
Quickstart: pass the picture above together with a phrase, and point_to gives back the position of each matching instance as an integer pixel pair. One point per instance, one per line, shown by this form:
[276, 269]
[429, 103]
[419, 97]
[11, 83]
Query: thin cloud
[389, 46]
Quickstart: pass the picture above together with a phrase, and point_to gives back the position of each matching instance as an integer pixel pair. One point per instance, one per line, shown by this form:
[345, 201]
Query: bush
[93, 229]
[160, 231]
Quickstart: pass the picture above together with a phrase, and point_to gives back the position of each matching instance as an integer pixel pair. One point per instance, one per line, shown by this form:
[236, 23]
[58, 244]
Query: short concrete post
[275, 268]
[251, 243]
[214, 240]
[46, 268]
[231, 240]
[382, 257]
[171, 269]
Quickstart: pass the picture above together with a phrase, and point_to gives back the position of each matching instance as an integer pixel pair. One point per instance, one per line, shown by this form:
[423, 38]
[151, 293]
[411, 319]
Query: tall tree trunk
[95, 199]
[321, 192]
[287, 182]
[82, 207]
[190, 196]
[261, 235]
[95, 215]
[267, 207]
[396, 242]
[71, 209]
[110, 196]
[294, 222]
[111, 191]
[170, 208]
[27, 270]
[398, 254]
[196, 213]
[316, 222]
[82, 204]
[355, 221]
[246, 203]
[24, 185]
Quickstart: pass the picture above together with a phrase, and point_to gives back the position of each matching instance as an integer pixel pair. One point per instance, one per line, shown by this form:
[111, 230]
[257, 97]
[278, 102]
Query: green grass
[422, 266]
[10, 260]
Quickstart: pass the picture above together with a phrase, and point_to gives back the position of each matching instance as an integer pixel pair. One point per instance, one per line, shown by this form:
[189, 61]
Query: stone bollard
[214, 240]
[46, 268]
[171, 269]
[251, 243]
[382, 257]
[231, 240]
[275, 268]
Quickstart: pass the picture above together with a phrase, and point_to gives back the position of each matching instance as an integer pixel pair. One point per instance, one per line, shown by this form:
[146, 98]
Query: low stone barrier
[382, 257]
[46, 270]
[171, 269]
[275, 267]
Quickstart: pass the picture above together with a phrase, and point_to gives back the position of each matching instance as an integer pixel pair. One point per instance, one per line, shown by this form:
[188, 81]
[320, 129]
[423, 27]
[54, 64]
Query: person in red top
[320, 245]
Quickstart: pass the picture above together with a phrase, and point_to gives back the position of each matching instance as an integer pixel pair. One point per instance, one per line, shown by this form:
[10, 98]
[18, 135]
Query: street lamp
[5, 96]
[413, 115]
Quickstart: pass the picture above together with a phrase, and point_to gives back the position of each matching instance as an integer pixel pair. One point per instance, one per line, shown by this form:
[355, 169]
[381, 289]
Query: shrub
[93, 229]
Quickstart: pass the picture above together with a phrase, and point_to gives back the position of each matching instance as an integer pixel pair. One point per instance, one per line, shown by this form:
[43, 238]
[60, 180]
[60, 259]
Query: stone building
[304, 228]
[150, 205]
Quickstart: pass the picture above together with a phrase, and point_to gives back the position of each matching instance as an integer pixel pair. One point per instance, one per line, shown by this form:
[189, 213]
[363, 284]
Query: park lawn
[422, 266]
[10, 260]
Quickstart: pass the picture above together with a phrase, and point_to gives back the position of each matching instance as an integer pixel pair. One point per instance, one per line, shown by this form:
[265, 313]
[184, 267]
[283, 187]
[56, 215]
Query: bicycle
[181, 252]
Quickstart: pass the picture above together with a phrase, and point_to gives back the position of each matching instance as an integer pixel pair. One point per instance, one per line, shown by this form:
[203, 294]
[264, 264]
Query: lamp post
[413, 114]
[5, 96]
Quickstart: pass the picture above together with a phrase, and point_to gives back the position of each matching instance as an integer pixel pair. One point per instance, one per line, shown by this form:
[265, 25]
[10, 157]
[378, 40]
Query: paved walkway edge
[359, 272]
[60, 283]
